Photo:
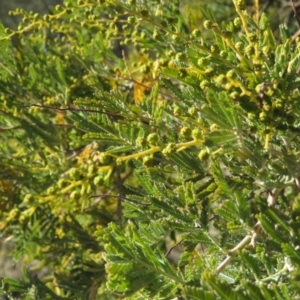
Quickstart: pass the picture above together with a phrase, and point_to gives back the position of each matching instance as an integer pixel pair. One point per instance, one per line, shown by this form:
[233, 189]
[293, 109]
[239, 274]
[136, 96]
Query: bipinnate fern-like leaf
[131, 257]
[220, 180]
[186, 161]
[194, 293]
[222, 111]
[190, 189]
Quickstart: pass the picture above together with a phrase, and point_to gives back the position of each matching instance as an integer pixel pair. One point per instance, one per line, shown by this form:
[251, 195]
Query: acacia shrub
[112, 164]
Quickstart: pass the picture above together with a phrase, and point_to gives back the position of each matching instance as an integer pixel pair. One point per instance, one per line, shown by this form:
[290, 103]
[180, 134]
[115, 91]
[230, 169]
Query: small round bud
[147, 161]
[221, 79]
[156, 35]
[144, 12]
[251, 116]
[119, 162]
[13, 214]
[62, 183]
[98, 179]
[182, 73]
[249, 50]
[267, 130]
[241, 4]
[214, 127]
[214, 49]
[104, 158]
[196, 33]
[257, 64]
[204, 84]
[51, 190]
[145, 69]
[75, 195]
[170, 149]
[237, 22]
[28, 199]
[223, 54]
[209, 72]
[234, 95]
[193, 111]
[252, 37]
[258, 88]
[201, 61]
[175, 38]
[153, 139]
[186, 132]
[266, 50]
[131, 19]
[73, 172]
[180, 56]
[163, 62]
[239, 46]
[263, 116]
[204, 155]
[141, 142]
[127, 41]
[196, 134]
[23, 218]
[208, 24]
[231, 74]
[177, 111]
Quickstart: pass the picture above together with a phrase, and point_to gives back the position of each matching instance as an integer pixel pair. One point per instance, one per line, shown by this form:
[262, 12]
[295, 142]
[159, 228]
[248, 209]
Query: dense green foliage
[144, 157]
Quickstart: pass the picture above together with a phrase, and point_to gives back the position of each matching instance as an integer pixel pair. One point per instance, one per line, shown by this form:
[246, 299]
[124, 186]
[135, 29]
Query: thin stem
[256, 8]
[10, 128]
[242, 16]
[192, 121]
[295, 13]
[174, 246]
[231, 253]
[232, 46]
[182, 146]
[140, 154]
[241, 244]
[274, 276]
[119, 182]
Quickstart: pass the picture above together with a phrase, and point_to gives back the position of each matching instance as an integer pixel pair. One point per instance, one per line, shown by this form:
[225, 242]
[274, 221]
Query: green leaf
[224, 291]
[290, 251]
[198, 293]
[220, 180]
[222, 138]
[185, 160]
[221, 111]
[252, 263]
[269, 226]
[200, 236]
